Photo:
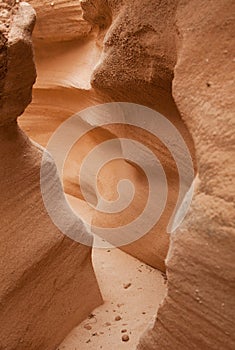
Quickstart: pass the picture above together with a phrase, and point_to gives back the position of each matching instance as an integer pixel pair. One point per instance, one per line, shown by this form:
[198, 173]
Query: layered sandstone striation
[59, 20]
[47, 281]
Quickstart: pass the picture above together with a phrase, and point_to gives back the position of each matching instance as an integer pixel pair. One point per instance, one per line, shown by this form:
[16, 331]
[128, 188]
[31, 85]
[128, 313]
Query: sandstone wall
[198, 312]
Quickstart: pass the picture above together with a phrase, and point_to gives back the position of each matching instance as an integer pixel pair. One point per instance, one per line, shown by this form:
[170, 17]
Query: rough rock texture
[17, 68]
[197, 38]
[134, 51]
[59, 20]
[47, 284]
[97, 12]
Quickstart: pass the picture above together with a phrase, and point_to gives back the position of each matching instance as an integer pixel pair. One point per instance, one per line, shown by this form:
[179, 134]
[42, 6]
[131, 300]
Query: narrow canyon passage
[62, 90]
[132, 290]
[117, 186]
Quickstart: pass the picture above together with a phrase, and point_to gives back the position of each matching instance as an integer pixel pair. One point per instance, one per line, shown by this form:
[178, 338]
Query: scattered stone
[118, 318]
[127, 285]
[119, 305]
[125, 338]
[88, 327]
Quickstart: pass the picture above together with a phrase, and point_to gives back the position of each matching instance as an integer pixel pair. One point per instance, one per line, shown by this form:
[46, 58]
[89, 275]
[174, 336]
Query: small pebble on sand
[119, 305]
[88, 327]
[118, 318]
[125, 338]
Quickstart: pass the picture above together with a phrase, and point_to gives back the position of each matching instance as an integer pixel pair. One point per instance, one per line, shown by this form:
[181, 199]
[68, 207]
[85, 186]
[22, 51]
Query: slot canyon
[117, 155]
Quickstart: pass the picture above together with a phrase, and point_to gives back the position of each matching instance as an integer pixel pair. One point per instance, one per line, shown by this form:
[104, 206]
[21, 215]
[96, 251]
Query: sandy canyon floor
[130, 303]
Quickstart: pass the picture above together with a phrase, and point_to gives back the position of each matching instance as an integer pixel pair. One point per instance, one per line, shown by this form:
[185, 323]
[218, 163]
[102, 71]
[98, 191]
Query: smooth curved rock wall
[47, 284]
